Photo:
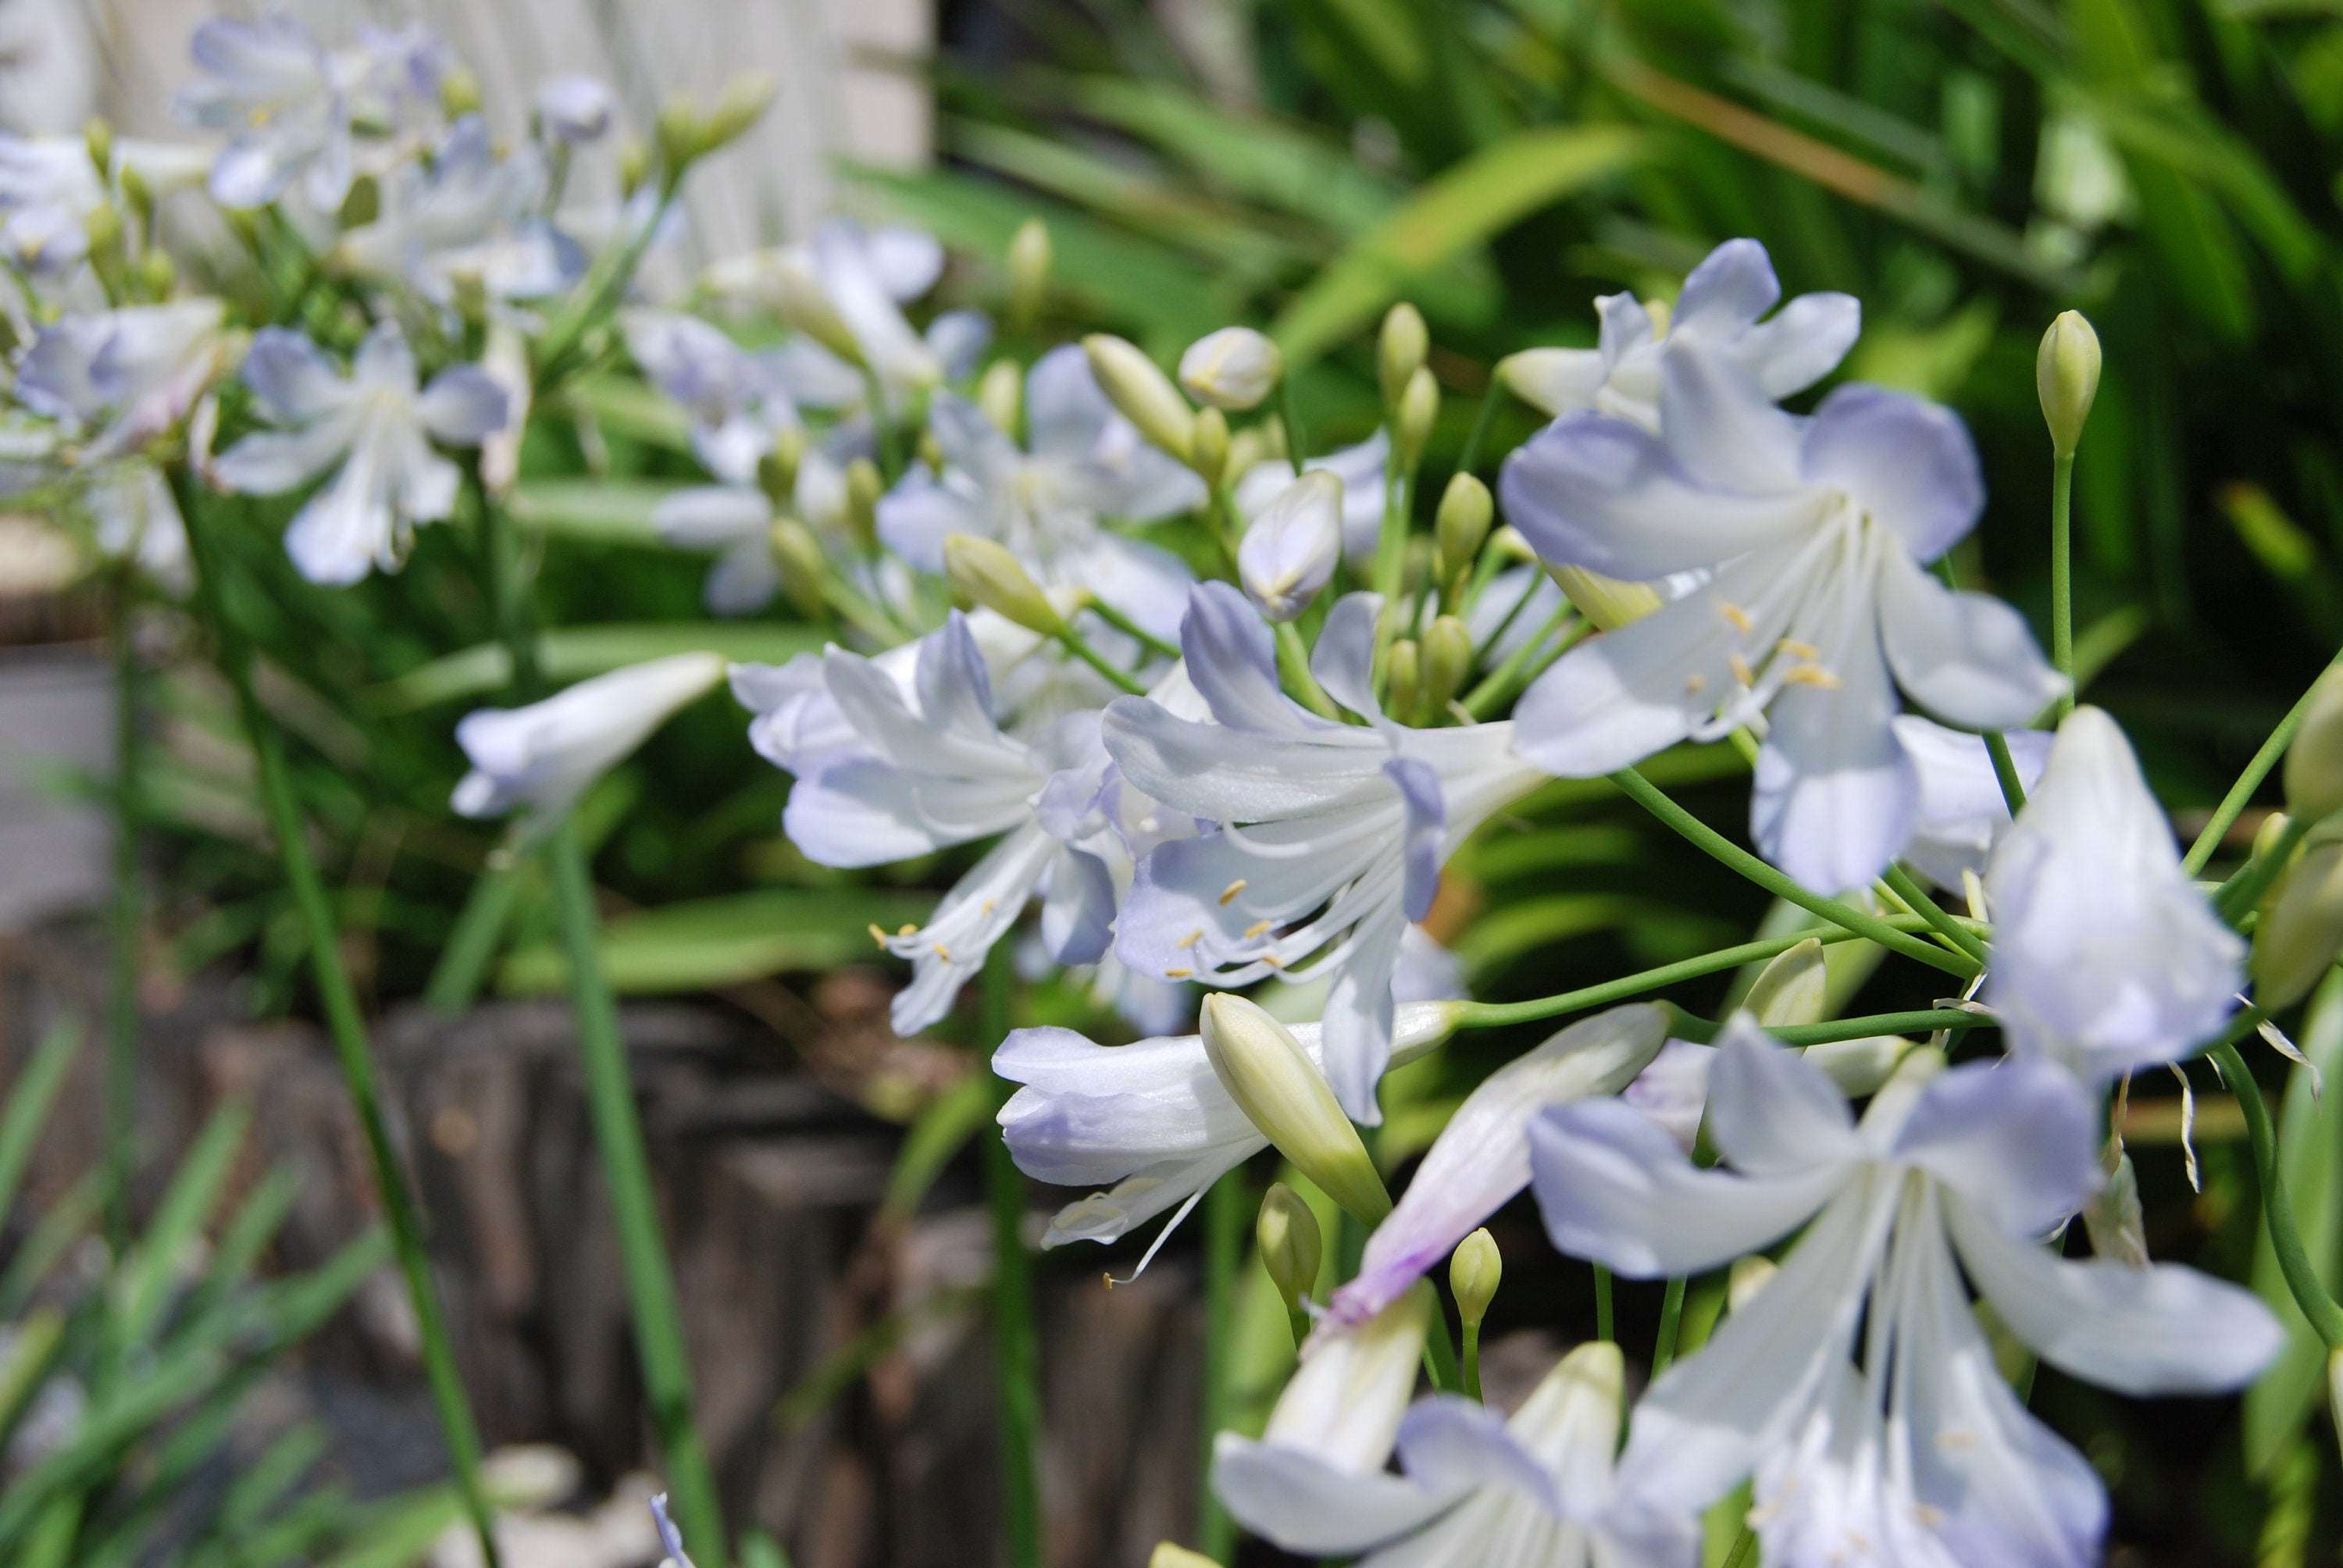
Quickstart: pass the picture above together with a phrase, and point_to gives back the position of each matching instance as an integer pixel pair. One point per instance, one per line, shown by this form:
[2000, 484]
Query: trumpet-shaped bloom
[2106, 956]
[1816, 609]
[120, 378]
[1361, 470]
[1919, 1454]
[1152, 1118]
[1722, 301]
[1962, 811]
[285, 104]
[932, 770]
[473, 217]
[1333, 835]
[376, 426]
[545, 755]
[1083, 462]
[1482, 1158]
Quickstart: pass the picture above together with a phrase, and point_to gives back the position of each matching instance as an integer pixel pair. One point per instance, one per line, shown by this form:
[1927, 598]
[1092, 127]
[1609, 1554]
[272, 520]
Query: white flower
[1721, 303]
[1334, 834]
[1151, 1117]
[574, 109]
[1361, 470]
[737, 400]
[376, 426]
[1232, 368]
[135, 518]
[283, 102]
[545, 755]
[1085, 462]
[49, 188]
[1920, 1454]
[472, 217]
[1813, 531]
[120, 378]
[1288, 555]
[2105, 958]
[1962, 812]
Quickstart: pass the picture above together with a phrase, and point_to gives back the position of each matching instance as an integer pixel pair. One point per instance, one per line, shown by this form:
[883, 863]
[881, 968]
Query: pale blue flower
[284, 103]
[116, 378]
[544, 756]
[470, 216]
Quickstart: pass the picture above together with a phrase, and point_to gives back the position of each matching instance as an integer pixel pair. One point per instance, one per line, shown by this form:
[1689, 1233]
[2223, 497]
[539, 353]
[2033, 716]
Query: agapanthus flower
[114, 379]
[1919, 1452]
[1812, 532]
[1963, 813]
[49, 188]
[2106, 956]
[1082, 463]
[1361, 470]
[1334, 834]
[472, 217]
[1720, 304]
[378, 426]
[134, 517]
[283, 101]
[574, 109]
[544, 756]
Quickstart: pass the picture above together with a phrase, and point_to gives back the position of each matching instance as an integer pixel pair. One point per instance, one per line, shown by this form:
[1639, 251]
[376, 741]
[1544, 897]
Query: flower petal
[1720, 426]
[1343, 660]
[1908, 462]
[463, 406]
[1835, 800]
[1965, 657]
[2013, 1137]
[1727, 292]
[1771, 1113]
[1300, 1503]
[1803, 343]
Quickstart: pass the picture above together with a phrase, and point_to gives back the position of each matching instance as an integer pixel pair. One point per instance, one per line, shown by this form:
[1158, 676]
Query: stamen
[942, 952]
[1813, 675]
[1741, 671]
[1797, 649]
[1192, 939]
[1959, 1438]
[1737, 614]
[1232, 889]
[1693, 683]
[986, 910]
[879, 936]
[1272, 960]
[1179, 974]
[909, 929]
[1163, 1236]
[1258, 926]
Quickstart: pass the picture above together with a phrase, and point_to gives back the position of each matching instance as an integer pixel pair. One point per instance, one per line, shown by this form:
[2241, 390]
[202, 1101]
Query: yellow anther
[942, 952]
[1797, 649]
[1193, 938]
[1741, 671]
[1272, 960]
[1177, 974]
[879, 936]
[1258, 926]
[1232, 889]
[909, 929]
[1737, 614]
[1813, 675]
[1694, 683]
[987, 910]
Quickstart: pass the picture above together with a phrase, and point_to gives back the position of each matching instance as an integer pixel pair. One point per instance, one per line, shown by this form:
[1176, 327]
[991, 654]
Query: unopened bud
[1789, 990]
[2112, 1218]
[864, 485]
[739, 104]
[1474, 1271]
[796, 554]
[1247, 447]
[1607, 602]
[156, 273]
[2066, 374]
[1278, 441]
[1400, 350]
[1212, 447]
[104, 227]
[2314, 763]
[634, 166]
[136, 192]
[1291, 1246]
[1168, 1554]
[98, 136]
[1282, 1093]
[2266, 836]
[1142, 393]
[1462, 525]
[2301, 928]
[1001, 395]
[1549, 380]
[1748, 1276]
[1028, 272]
[983, 572]
[1419, 407]
[1403, 677]
[799, 299]
[680, 131]
[776, 471]
[459, 93]
[1289, 554]
[1447, 658]
[930, 451]
[1234, 368]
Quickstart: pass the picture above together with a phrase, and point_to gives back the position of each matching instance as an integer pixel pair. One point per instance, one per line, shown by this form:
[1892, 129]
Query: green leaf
[30, 1102]
[1470, 203]
[625, 407]
[706, 942]
[598, 511]
[574, 652]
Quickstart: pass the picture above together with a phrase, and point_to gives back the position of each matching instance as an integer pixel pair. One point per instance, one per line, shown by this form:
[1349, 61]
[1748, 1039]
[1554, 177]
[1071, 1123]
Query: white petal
[2013, 1138]
[1965, 657]
[1719, 425]
[713, 517]
[1343, 660]
[1771, 1112]
[1727, 292]
[1301, 1504]
[1835, 800]
[1803, 343]
[1908, 463]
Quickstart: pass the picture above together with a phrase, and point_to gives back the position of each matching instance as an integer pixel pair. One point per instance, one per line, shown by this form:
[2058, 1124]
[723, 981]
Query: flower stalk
[123, 913]
[1015, 1343]
[2325, 1318]
[1226, 1208]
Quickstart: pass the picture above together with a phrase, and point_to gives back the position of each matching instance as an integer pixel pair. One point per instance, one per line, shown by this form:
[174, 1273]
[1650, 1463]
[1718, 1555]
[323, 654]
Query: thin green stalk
[2242, 792]
[1653, 799]
[122, 1000]
[1745, 1550]
[1663, 1349]
[1390, 564]
[1899, 882]
[2004, 771]
[479, 928]
[1440, 1363]
[1294, 666]
[626, 1167]
[1500, 684]
[1015, 1343]
[506, 584]
[1473, 1363]
[1701, 1030]
[1130, 628]
[1074, 643]
[1605, 1329]
[1296, 445]
[2239, 895]
[346, 1025]
[2062, 575]
[1226, 1217]
[891, 439]
[598, 294]
[2277, 1207]
[1469, 459]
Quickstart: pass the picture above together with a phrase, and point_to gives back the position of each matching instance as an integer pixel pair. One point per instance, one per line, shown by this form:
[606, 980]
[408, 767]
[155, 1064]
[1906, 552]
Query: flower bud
[1748, 1276]
[1462, 525]
[138, 196]
[797, 556]
[98, 136]
[2301, 928]
[1288, 555]
[634, 166]
[2066, 374]
[1028, 272]
[1446, 657]
[983, 572]
[459, 92]
[1142, 393]
[1419, 408]
[863, 488]
[1234, 368]
[2112, 1218]
[1473, 1273]
[574, 110]
[1400, 350]
[1209, 451]
[776, 471]
[1403, 677]
[1789, 990]
[1282, 1093]
[1609, 603]
[1293, 1249]
[1168, 1554]
[930, 451]
[156, 273]
[2314, 763]
[680, 131]
[104, 227]
[739, 104]
[799, 299]
[1001, 395]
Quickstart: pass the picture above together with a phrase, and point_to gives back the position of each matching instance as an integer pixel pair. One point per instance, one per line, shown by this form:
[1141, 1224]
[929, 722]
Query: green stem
[1224, 1235]
[1130, 628]
[2241, 892]
[1899, 882]
[346, 1026]
[2277, 1207]
[626, 1166]
[597, 297]
[1015, 1343]
[2242, 792]
[2004, 771]
[1293, 666]
[1297, 445]
[1390, 564]
[472, 945]
[882, 419]
[122, 1002]
[1605, 1329]
[1500, 684]
[1473, 1362]
[1846, 916]
[2062, 575]
[1440, 1363]
[1469, 459]
[1701, 1030]
[1745, 1550]
[1663, 1349]
[506, 584]
[1073, 643]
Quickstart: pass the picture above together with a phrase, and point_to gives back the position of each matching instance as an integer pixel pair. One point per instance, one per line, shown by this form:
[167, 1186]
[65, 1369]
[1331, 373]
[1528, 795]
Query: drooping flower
[545, 755]
[1813, 532]
[1722, 301]
[2106, 956]
[284, 105]
[114, 379]
[1963, 813]
[1919, 1452]
[1333, 835]
[378, 426]
[472, 216]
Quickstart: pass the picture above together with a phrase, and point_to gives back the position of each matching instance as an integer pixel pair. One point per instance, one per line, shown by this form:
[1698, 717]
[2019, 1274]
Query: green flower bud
[797, 555]
[1446, 658]
[1293, 1249]
[104, 227]
[863, 488]
[1403, 677]
[1001, 395]
[1137, 387]
[1607, 602]
[1168, 1555]
[739, 104]
[1028, 273]
[2112, 1218]
[1400, 350]
[2314, 763]
[1748, 1276]
[634, 166]
[157, 274]
[1282, 1093]
[799, 299]
[776, 471]
[98, 136]
[983, 572]
[1462, 525]
[1474, 1271]
[459, 93]
[2066, 374]
[1789, 990]
[1234, 368]
[136, 194]
[1419, 408]
[2301, 928]
[680, 133]
[1209, 448]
